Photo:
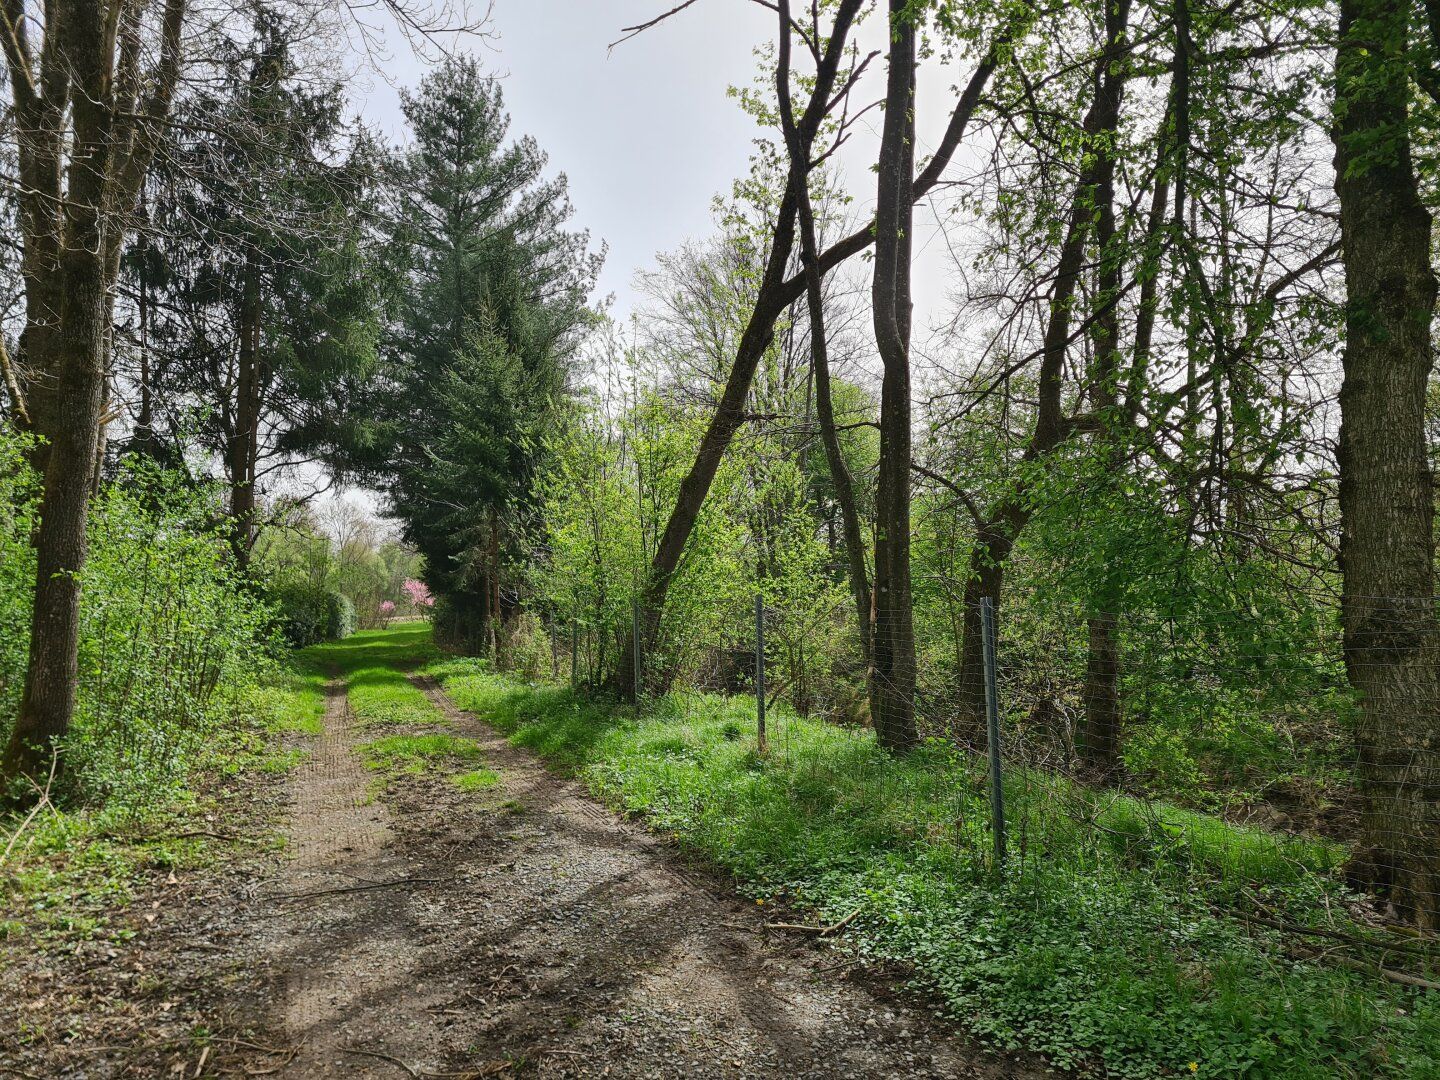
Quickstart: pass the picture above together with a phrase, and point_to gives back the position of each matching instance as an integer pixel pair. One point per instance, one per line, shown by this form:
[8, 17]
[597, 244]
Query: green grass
[73, 869]
[373, 664]
[477, 780]
[405, 646]
[417, 754]
[1109, 941]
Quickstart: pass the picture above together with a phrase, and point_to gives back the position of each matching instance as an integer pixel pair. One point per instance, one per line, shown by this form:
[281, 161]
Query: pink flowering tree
[418, 593]
[387, 612]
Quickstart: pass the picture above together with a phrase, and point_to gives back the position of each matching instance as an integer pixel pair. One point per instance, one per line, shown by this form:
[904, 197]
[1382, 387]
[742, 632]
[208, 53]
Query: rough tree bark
[800, 168]
[1392, 649]
[244, 442]
[1100, 746]
[81, 180]
[892, 645]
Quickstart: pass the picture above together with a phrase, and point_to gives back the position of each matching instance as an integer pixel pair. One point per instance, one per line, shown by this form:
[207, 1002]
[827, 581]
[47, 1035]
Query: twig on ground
[823, 931]
[286, 1055]
[1404, 978]
[1273, 918]
[383, 1057]
[40, 804]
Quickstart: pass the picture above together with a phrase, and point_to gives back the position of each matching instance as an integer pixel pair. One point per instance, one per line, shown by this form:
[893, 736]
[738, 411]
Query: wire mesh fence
[1290, 782]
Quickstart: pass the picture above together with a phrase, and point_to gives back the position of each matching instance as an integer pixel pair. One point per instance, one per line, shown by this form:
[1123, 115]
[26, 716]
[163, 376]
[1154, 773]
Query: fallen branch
[40, 804]
[1402, 977]
[286, 1056]
[823, 931]
[420, 1074]
[1272, 918]
[383, 1057]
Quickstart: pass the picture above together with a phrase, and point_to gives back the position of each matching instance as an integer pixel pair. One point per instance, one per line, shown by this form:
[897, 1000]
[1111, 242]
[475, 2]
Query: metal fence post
[635, 635]
[575, 650]
[992, 724]
[760, 743]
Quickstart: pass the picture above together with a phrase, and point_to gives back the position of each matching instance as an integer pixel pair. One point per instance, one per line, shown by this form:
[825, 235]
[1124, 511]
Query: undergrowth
[66, 871]
[417, 754]
[1109, 943]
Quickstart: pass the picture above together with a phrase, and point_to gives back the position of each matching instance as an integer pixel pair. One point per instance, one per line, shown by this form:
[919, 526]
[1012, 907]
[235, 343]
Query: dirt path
[521, 930]
[348, 961]
[540, 933]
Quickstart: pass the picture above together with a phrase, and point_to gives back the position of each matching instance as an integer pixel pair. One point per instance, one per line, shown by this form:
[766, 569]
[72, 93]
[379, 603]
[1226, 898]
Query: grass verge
[374, 665]
[67, 873]
[1110, 941]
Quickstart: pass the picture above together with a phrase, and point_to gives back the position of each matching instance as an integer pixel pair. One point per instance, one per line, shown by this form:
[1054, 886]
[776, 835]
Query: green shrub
[339, 616]
[307, 614]
[171, 645]
[525, 648]
[302, 612]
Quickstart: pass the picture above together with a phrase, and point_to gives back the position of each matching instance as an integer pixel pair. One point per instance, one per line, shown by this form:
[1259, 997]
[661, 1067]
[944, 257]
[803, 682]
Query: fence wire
[1293, 785]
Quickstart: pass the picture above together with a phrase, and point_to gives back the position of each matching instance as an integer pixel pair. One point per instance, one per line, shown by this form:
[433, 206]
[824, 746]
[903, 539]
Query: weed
[1105, 948]
[477, 780]
[415, 754]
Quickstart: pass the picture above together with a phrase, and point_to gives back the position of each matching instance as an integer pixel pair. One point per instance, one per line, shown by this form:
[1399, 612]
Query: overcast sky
[645, 131]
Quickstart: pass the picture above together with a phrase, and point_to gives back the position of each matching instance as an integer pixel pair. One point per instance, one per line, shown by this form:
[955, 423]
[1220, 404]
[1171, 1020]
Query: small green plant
[1104, 945]
[476, 780]
[417, 754]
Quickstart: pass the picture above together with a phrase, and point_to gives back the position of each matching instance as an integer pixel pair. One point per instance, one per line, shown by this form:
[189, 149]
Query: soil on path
[521, 930]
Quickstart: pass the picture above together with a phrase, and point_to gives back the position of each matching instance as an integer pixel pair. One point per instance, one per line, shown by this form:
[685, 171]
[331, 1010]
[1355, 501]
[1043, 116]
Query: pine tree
[493, 300]
[253, 287]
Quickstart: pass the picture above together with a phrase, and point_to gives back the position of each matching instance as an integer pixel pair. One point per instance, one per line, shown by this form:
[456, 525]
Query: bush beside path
[444, 905]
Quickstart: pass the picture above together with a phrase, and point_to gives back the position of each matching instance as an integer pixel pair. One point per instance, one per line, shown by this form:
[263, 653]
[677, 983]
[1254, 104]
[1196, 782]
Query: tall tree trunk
[1386, 498]
[70, 421]
[245, 438]
[989, 556]
[892, 653]
[1100, 742]
[819, 348]
[145, 419]
[492, 626]
[1100, 745]
[61, 544]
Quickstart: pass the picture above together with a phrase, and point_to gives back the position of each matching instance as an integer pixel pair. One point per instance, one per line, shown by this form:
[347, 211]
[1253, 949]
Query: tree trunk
[245, 437]
[1386, 498]
[773, 296]
[986, 578]
[1100, 745]
[70, 423]
[892, 665]
[819, 349]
